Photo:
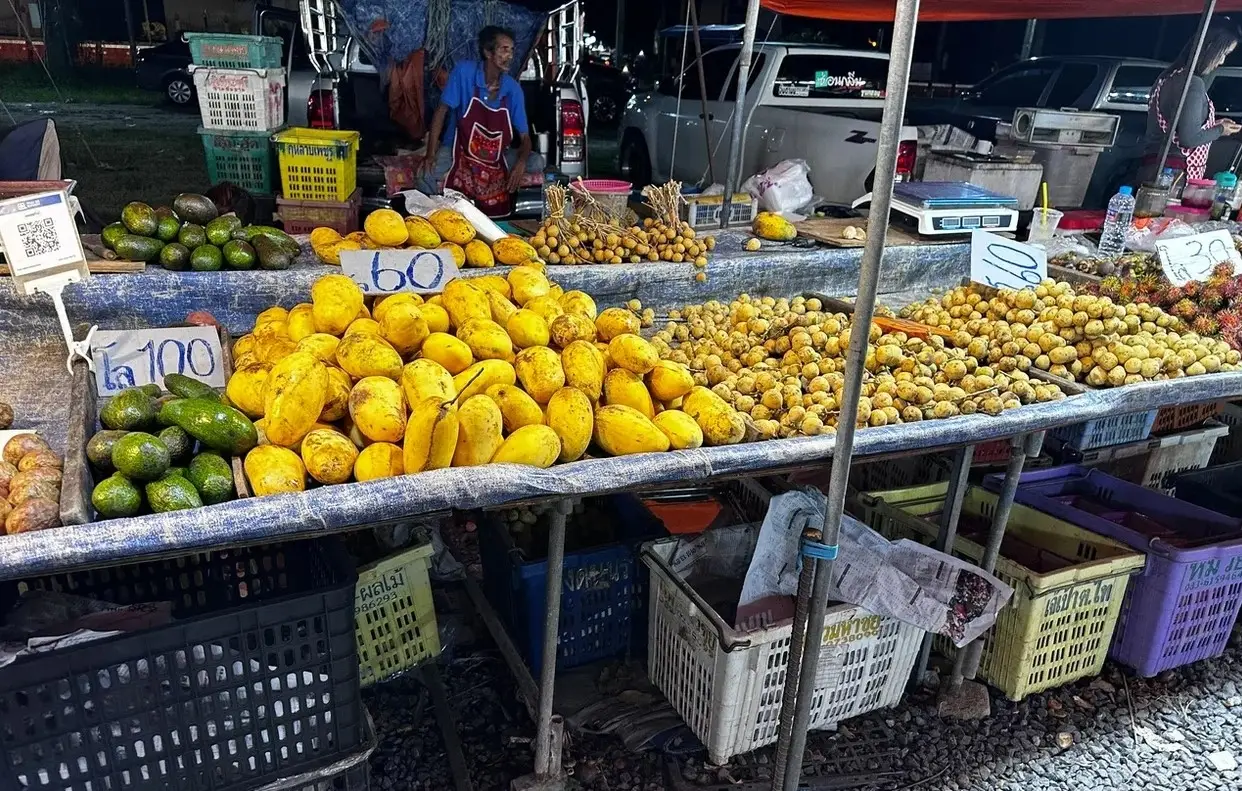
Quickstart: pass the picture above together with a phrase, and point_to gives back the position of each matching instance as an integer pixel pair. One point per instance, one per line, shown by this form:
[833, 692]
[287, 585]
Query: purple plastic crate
[1183, 607]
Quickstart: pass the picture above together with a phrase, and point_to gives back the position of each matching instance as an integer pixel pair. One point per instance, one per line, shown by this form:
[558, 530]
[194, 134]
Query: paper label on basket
[831, 667]
[39, 238]
[391, 271]
[1003, 263]
[128, 358]
[688, 553]
[1188, 258]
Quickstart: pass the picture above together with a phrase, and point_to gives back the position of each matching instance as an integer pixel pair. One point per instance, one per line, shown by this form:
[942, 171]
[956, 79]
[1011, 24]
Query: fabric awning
[983, 10]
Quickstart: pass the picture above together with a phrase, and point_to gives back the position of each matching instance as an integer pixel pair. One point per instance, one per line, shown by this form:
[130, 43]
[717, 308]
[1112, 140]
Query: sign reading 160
[424, 272]
[155, 359]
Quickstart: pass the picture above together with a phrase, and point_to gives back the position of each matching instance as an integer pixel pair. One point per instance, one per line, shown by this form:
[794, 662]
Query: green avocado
[152, 389]
[220, 230]
[128, 410]
[206, 258]
[187, 387]
[99, 448]
[278, 237]
[239, 254]
[137, 248]
[139, 218]
[192, 235]
[112, 233]
[219, 427]
[179, 443]
[271, 256]
[194, 208]
[169, 409]
[175, 257]
[116, 496]
[140, 456]
[172, 493]
[212, 477]
[168, 228]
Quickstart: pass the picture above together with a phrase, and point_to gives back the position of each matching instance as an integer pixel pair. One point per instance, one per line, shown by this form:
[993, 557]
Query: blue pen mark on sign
[155, 359]
[425, 272]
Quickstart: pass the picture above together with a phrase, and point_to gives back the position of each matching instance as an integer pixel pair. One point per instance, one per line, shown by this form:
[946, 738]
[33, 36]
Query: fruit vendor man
[480, 111]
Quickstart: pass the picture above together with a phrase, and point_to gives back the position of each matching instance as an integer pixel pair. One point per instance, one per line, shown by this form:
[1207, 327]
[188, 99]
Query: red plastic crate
[1176, 418]
[304, 216]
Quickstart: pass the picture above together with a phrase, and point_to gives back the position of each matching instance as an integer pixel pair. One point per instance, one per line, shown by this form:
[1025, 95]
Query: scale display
[946, 207]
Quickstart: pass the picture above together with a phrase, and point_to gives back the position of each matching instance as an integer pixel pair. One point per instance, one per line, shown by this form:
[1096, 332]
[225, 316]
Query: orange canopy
[982, 10]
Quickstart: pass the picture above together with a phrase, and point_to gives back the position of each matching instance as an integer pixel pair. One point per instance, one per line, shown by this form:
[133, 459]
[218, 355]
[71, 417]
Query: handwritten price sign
[128, 358]
[1003, 263]
[390, 271]
[1190, 258]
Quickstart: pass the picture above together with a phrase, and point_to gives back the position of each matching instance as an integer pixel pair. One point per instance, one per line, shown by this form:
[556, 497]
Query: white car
[819, 104]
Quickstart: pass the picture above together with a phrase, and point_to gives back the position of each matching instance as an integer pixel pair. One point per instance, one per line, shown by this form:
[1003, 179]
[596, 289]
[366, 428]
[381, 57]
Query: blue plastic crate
[603, 594]
[1112, 430]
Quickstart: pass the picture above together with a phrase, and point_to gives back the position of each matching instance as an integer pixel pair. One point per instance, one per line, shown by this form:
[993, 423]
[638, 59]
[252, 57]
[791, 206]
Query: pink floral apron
[1196, 158]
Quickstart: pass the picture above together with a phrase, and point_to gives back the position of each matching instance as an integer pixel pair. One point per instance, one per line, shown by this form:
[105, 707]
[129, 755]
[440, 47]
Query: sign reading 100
[138, 357]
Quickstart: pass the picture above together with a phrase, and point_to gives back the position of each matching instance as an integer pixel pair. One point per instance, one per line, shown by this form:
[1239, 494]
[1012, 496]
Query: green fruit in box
[172, 493]
[239, 254]
[128, 410]
[179, 443]
[220, 230]
[112, 233]
[219, 427]
[212, 477]
[140, 456]
[116, 496]
[99, 448]
[131, 247]
[139, 218]
[271, 256]
[192, 235]
[168, 228]
[187, 387]
[175, 257]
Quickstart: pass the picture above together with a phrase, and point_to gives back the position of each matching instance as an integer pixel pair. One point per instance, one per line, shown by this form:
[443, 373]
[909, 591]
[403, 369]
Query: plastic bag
[783, 188]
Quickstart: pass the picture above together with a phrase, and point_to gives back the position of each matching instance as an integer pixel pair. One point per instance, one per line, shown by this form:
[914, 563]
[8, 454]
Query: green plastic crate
[233, 51]
[243, 158]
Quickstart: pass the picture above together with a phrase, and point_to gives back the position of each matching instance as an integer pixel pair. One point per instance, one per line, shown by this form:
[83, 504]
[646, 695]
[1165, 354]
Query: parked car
[819, 104]
[165, 68]
[610, 89]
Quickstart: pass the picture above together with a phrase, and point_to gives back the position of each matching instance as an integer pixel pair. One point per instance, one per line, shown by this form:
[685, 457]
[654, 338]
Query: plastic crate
[728, 684]
[603, 595]
[1112, 430]
[1176, 418]
[255, 679]
[248, 99]
[231, 51]
[1183, 607]
[317, 164]
[1216, 488]
[243, 158]
[988, 454]
[897, 473]
[395, 615]
[1155, 462]
[304, 216]
[1059, 623]
[1229, 448]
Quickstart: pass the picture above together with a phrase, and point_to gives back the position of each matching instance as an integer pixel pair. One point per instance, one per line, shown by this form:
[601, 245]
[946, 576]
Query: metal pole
[129, 28]
[544, 765]
[620, 47]
[904, 22]
[1028, 38]
[739, 109]
[1200, 35]
[704, 116]
[797, 642]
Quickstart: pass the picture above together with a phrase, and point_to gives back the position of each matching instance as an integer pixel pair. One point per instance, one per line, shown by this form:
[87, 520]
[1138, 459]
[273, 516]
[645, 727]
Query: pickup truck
[814, 103]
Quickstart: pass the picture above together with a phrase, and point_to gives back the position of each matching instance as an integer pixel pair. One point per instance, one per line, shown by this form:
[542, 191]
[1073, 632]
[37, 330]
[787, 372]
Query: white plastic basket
[1155, 462]
[728, 684]
[240, 99]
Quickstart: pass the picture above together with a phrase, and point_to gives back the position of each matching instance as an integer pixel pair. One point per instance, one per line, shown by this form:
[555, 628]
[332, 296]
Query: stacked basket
[318, 180]
[241, 96]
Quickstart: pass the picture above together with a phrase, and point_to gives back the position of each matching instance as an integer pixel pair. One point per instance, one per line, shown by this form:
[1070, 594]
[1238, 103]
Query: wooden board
[827, 230]
[99, 259]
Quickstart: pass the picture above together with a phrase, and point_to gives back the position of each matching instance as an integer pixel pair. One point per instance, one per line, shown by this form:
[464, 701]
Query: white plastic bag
[783, 188]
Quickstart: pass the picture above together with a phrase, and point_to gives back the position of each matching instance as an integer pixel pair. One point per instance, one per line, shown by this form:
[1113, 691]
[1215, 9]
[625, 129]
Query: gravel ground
[1181, 731]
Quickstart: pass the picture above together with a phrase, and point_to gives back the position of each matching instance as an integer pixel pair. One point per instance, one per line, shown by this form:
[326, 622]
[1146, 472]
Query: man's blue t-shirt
[466, 81]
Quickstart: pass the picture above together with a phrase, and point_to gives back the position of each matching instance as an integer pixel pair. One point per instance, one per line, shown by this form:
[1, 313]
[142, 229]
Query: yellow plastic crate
[394, 616]
[317, 164]
[1058, 626]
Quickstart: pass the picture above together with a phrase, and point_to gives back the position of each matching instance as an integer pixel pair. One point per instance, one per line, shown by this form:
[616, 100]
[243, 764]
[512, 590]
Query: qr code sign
[39, 237]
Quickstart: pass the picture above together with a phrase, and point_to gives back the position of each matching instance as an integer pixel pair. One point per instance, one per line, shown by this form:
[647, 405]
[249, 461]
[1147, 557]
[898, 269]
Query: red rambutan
[1205, 325]
[1231, 288]
[1185, 309]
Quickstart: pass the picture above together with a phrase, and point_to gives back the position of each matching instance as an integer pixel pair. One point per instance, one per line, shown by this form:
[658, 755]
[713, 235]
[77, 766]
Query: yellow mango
[721, 424]
[272, 328]
[512, 251]
[465, 301]
[459, 254]
[570, 327]
[244, 360]
[450, 352]
[633, 353]
[387, 303]
[430, 436]
[274, 313]
[324, 235]
[482, 375]
[479, 433]
[424, 378]
[478, 254]
[386, 227]
[320, 344]
[669, 380]
[496, 283]
[571, 416]
[623, 387]
[773, 227]
[363, 354]
[336, 405]
[335, 302]
[539, 369]
[403, 326]
[527, 283]
[436, 316]
[621, 430]
[502, 308]
[682, 431]
[353, 432]
[330, 253]
[244, 345]
[274, 470]
[616, 321]
[377, 407]
[527, 328]
[584, 368]
[379, 460]
[245, 388]
[293, 399]
[361, 326]
[546, 306]
[328, 455]
[487, 340]
[421, 233]
[451, 226]
[578, 302]
[536, 446]
[363, 312]
[301, 321]
[517, 408]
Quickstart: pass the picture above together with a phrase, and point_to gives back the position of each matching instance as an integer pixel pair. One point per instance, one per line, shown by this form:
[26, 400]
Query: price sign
[390, 271]
[1190, 258]
[127, 358]
[40, 239]
[1003, 263]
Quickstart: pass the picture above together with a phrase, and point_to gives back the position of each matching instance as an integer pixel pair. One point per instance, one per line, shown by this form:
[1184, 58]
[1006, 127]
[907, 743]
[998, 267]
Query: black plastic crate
[1218, 489]
[255, 679]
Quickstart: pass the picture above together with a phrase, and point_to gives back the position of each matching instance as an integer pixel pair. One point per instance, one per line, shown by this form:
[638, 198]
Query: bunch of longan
[561, 241]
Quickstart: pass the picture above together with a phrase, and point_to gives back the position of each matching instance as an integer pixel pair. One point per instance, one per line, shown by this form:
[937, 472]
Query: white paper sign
[1003, 263]
[1188, 258]
[390, 271]
[127, 358]
[39, 236]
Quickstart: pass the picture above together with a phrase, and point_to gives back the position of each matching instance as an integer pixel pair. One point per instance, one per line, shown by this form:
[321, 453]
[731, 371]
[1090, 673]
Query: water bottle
[1116, 223]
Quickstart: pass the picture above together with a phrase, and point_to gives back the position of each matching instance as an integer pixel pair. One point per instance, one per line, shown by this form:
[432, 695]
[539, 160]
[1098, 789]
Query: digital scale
[948, 207]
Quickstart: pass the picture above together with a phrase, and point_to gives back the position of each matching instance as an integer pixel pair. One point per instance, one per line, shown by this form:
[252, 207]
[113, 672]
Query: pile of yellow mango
[494, 369]
[385, 229]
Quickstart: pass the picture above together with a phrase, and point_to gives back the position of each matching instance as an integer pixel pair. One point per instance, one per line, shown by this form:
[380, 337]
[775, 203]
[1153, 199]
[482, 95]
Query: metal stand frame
[1205, 21]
